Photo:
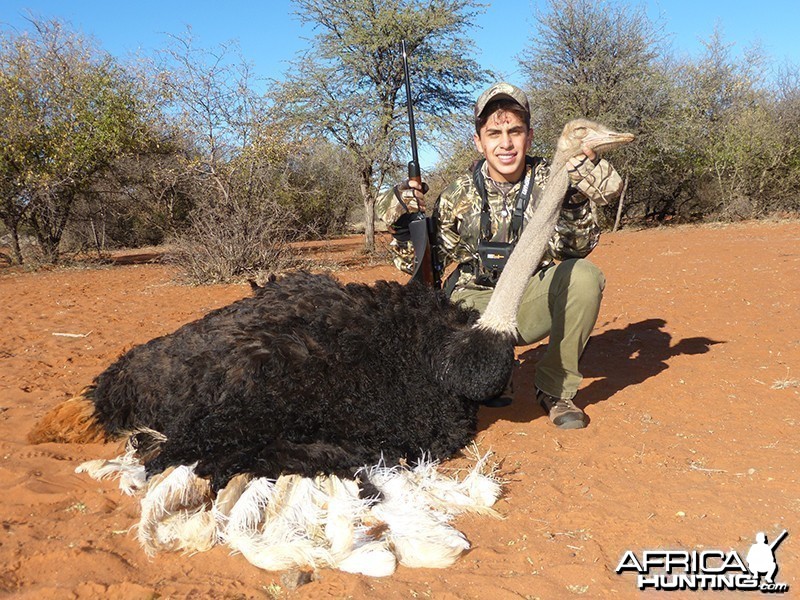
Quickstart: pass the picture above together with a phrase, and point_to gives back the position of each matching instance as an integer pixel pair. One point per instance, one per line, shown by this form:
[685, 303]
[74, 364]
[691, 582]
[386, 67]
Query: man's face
[504, 140]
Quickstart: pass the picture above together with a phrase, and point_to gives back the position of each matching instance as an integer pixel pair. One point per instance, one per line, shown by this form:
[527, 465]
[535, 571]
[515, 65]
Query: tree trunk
[369, 211]
[12, 216]
[15, 244]
[49, 243]
[619, 206]
[95, 238]
[48, 221]
[99, 237]
[369, 223]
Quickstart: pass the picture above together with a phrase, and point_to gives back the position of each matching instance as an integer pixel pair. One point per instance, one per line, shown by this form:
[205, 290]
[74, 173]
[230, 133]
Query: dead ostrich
[310, 377]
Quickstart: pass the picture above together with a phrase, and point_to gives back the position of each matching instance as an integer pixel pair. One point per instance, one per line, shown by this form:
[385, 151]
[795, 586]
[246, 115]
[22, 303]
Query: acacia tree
[601, 60]
[349, 84]
[743, 145]
[66, 111]
[590, 59]
[714, 137]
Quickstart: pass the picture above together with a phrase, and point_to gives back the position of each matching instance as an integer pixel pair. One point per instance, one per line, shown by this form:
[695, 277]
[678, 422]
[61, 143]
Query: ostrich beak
[602, 140]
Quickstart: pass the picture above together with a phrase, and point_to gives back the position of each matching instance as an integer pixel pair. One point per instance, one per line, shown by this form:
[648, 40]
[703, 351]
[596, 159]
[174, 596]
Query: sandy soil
[692, 385]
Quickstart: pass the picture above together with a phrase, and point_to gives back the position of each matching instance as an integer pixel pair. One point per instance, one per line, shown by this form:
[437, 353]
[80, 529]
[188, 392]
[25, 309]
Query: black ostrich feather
[309, 376]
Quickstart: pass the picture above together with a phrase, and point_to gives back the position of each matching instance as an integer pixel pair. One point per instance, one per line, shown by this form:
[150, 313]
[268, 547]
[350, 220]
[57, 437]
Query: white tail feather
[187, 531]
[420, 537]
[226, 499]
[275, 524]
[126, 468]
[278, 554]
[477, 492]
[173, 507]
[344, 510]
[301, 522]
[374, 559]
[247, 513]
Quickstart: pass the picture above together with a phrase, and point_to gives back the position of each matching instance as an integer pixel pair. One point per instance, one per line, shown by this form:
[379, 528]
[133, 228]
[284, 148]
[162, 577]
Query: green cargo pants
[561, 301]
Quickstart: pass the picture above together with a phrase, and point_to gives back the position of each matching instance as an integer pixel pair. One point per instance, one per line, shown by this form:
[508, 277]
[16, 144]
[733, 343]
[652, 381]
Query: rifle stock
[422, 229]
[421, 234]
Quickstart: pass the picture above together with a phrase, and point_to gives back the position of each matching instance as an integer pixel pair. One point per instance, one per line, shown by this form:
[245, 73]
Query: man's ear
[478, 145]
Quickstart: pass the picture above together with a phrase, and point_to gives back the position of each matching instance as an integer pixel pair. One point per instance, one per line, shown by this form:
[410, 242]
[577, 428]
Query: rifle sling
[523, 198]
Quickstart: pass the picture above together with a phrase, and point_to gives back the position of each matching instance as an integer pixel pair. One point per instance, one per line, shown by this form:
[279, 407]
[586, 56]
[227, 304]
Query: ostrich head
[582, 135]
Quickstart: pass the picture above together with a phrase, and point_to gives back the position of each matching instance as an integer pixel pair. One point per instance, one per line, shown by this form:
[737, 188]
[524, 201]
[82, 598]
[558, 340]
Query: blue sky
[270, 35]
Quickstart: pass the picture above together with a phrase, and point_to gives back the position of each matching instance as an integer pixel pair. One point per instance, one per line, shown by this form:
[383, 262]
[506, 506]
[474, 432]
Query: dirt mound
[692, 385]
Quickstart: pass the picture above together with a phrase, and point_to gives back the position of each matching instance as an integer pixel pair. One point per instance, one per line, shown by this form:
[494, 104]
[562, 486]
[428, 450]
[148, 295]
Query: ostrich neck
[501, 313]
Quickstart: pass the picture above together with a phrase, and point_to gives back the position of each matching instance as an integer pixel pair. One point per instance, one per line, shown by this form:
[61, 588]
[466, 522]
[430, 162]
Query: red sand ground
[692, 387]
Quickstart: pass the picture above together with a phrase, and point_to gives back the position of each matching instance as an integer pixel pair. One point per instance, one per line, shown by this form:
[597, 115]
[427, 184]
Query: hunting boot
[562, 412]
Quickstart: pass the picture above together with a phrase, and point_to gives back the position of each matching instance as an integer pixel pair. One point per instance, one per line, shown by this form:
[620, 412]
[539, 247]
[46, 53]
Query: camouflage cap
[500, 91]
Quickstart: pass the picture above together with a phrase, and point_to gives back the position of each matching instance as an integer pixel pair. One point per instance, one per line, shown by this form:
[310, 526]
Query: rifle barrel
[413, 166]
[778, 540]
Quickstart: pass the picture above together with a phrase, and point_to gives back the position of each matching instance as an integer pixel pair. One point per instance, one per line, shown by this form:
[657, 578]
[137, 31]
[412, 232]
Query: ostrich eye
[580, 131]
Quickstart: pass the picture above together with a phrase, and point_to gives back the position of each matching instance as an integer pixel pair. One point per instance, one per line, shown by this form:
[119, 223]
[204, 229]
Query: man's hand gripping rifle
[422, 228]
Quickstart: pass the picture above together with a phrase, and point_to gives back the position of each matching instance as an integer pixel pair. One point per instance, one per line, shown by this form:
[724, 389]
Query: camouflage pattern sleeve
[599, 182]
[387, 208]
[402, 254]
[576, 233]
[458, 235]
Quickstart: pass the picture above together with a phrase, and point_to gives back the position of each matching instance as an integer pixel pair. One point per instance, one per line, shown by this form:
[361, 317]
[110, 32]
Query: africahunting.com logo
[707, 569]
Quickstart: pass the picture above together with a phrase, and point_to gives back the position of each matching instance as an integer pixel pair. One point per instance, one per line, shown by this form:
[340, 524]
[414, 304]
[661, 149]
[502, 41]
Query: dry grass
[782, 384]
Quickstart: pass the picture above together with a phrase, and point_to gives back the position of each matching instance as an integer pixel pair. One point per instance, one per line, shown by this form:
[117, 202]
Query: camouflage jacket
[458, 211]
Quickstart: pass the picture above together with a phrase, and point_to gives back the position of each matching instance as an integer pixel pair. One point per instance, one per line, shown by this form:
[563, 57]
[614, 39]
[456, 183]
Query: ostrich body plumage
[309, 376]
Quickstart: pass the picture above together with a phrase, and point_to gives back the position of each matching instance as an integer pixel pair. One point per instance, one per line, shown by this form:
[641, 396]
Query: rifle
[421, 228]
[778, 540]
